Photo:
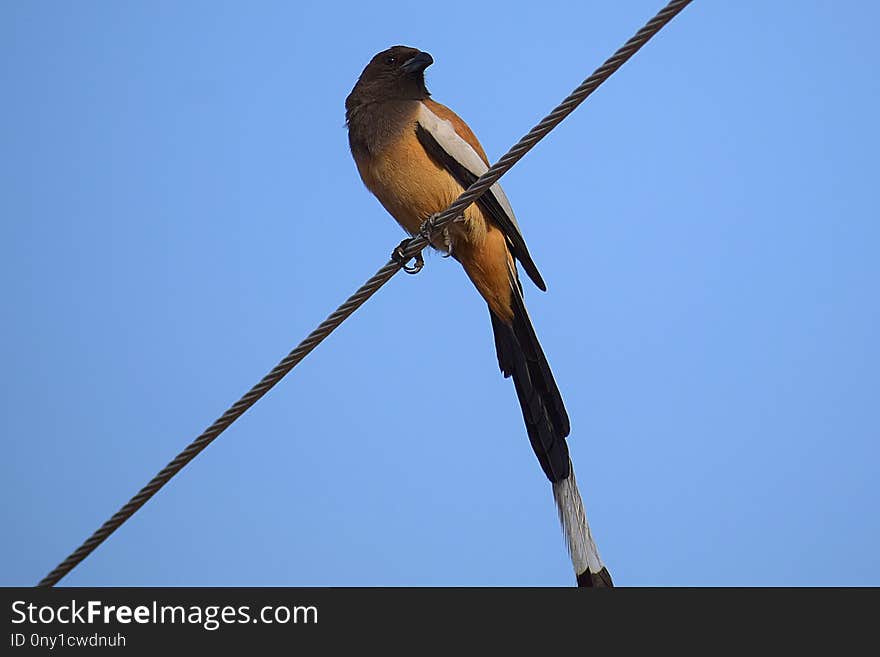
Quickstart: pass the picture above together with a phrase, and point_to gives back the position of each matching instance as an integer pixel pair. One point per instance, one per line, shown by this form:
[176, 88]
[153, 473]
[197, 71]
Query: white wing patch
[450, 141]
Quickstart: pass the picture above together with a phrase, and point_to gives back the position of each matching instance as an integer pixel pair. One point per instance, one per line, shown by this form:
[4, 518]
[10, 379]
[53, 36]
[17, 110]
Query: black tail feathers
[520, 356]
[600, 580]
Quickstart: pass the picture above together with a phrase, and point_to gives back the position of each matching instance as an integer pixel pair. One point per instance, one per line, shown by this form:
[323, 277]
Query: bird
[417, 156]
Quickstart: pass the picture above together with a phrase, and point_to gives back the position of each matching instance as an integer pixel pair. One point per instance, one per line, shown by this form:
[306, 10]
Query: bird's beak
[418, 63]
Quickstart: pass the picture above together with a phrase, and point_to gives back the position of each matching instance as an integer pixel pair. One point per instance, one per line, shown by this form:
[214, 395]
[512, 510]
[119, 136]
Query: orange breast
[408, 183]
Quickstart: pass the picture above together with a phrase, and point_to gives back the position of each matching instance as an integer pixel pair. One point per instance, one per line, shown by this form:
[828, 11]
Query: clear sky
[179, 208]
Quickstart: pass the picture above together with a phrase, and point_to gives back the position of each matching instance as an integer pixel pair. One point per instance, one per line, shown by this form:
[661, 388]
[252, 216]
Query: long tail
[520, 356]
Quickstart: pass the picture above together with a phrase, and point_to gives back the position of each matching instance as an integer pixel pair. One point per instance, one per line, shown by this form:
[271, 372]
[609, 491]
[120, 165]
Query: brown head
[394, 74]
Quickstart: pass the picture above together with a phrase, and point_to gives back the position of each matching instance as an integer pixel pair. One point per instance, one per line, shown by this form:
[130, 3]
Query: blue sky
[179, 208]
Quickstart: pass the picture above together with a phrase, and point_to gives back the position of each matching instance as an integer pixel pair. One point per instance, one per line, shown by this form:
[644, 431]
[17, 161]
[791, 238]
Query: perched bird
[417, 156]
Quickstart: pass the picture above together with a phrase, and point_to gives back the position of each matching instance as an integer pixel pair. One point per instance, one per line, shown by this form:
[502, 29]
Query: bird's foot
[398, 255]
[429, 227]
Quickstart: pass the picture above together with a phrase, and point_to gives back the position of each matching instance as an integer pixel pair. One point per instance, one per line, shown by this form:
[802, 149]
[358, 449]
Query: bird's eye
[390, 59]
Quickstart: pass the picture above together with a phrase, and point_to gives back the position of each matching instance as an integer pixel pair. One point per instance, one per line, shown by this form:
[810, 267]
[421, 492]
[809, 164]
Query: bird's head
[394, 74]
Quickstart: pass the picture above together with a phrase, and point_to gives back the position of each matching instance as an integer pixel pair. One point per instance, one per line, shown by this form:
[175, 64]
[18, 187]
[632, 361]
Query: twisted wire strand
[355, 301]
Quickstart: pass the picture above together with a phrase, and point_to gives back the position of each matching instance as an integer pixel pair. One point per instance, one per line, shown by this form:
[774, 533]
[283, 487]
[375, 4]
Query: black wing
[488, 202]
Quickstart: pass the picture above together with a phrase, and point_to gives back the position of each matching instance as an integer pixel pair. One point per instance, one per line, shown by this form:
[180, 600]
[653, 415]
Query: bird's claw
[398, 255]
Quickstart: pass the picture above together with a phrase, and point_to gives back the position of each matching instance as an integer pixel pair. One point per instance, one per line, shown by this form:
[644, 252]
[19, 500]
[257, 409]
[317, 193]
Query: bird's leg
[398, 255]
